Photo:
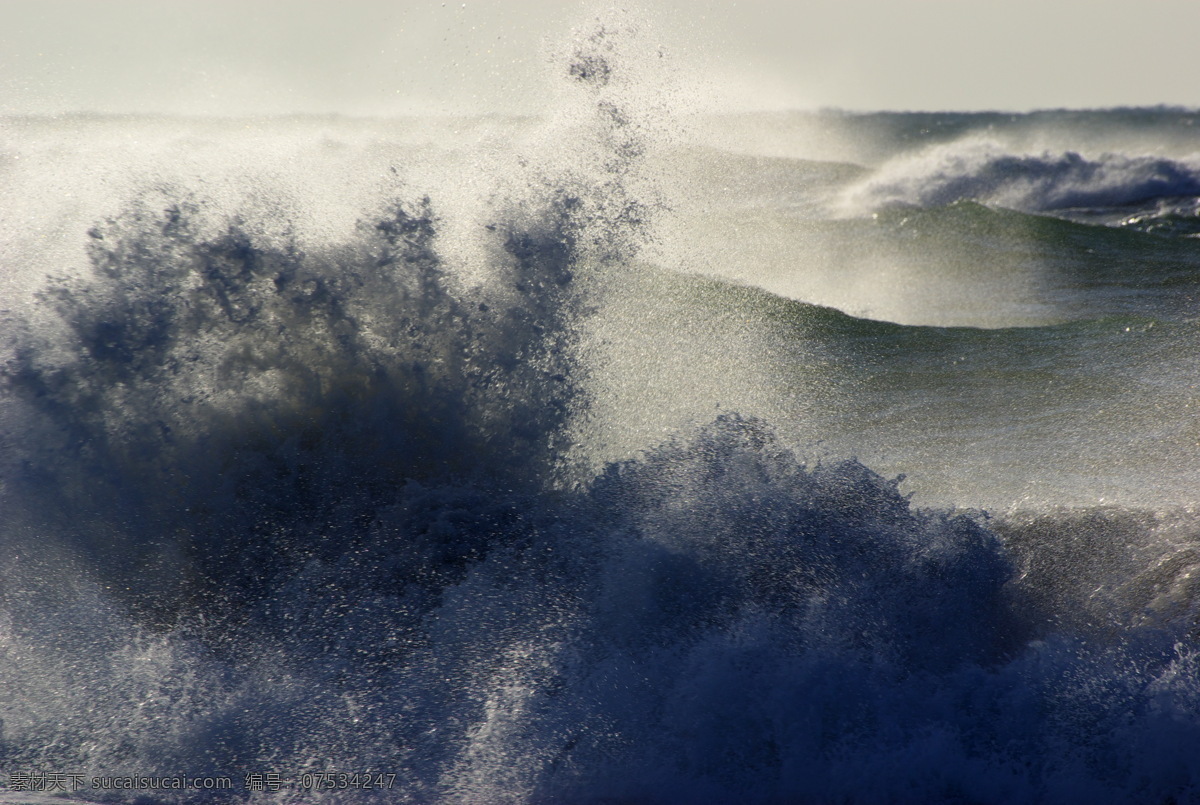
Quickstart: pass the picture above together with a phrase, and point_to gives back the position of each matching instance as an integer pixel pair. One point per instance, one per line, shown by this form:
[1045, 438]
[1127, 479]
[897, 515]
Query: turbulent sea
[616, 455]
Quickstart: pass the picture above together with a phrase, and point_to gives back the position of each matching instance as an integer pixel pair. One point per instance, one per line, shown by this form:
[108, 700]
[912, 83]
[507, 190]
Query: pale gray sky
[382, 57]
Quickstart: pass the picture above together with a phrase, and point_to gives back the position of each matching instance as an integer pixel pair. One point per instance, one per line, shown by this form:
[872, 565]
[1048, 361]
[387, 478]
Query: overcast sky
[383, 57]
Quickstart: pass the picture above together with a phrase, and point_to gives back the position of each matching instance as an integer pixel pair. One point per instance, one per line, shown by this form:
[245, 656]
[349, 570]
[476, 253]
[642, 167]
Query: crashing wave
[278, 507]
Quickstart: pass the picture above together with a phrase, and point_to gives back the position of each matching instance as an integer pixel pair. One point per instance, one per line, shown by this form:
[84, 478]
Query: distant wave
[986, 172]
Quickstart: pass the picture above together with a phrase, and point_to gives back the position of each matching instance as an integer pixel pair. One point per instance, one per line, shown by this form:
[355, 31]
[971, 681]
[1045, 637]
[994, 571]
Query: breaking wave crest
[986, 172]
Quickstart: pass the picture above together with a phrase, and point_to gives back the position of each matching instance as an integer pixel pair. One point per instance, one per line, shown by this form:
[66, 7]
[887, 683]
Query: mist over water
[562, 460]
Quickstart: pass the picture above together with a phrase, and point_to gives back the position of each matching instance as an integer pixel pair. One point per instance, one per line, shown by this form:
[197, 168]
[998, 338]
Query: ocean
[623, 453]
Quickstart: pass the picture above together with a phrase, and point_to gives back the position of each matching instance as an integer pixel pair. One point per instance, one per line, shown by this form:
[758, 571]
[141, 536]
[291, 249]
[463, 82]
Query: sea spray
[306, 499]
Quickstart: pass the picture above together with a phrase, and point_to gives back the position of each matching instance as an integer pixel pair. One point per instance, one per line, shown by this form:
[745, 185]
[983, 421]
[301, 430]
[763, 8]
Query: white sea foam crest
[987, 172]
